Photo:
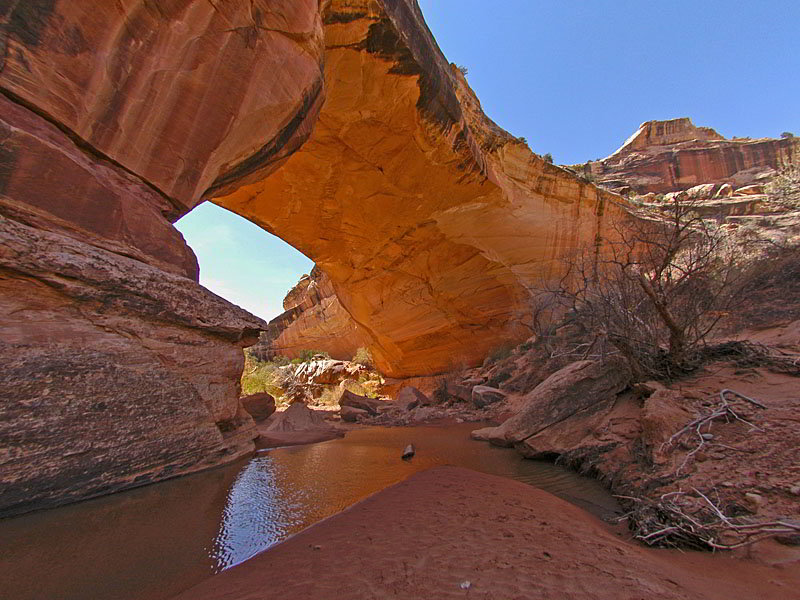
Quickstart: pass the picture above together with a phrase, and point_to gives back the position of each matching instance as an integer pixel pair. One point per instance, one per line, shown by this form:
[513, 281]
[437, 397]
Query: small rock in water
[408, 452]
[465, 585]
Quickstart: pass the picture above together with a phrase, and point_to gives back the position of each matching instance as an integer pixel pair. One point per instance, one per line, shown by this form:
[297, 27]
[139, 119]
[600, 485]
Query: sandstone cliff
[338, 126]
[114, 118]
[666, 156]
[314, 319]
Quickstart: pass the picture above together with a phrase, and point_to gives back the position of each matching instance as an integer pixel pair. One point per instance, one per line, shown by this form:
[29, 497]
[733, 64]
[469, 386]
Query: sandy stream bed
[454, 533]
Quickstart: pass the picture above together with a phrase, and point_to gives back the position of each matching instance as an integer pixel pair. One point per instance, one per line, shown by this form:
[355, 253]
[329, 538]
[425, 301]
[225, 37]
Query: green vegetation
[259, 376]
[784, 188]
[363, 357]
[464, 70]
[548, 158]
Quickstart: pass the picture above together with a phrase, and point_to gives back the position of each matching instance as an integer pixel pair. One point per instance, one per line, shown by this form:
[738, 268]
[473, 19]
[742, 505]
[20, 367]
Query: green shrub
[498, 379]
[548, 158]
[363, 357]
[259, 376]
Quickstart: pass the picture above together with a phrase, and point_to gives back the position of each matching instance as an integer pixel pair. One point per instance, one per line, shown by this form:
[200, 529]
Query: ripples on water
[153, 542]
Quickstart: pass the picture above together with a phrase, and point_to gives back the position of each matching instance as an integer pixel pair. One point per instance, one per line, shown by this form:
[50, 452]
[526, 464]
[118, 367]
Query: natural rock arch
[338, 126]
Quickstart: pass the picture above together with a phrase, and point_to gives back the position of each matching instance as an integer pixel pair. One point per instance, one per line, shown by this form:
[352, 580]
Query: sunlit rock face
[314, 319]
[115, 117]
[431, 222]
[666, 156]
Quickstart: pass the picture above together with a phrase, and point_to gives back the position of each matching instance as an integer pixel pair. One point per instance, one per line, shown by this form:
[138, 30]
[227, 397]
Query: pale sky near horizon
[575, 78]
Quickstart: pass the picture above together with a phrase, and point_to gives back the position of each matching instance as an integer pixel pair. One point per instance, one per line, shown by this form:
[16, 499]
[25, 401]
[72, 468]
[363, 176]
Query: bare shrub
[783, 189]
[652, 293]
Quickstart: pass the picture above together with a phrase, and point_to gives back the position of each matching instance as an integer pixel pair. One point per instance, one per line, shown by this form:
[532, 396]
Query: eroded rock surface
[665, 156]
[116, 373]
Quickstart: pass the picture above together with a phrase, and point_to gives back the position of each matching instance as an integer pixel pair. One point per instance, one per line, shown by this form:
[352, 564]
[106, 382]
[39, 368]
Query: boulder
[370, 405]
[459, 391]
[484, 395]
[298, 424]
[352, 414]
[703, 191]
[410, 397]
[662, 416]
[298, 417]
[260, 406]
[566, 392]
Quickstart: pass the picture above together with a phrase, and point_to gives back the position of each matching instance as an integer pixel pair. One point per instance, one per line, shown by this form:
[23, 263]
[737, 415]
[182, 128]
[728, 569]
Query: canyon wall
[119, 368]
[337, 125]
[313, 319]
[666, 156]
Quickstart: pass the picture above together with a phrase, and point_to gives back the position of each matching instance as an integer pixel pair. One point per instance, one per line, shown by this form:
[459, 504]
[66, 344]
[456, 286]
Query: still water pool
[153, 542]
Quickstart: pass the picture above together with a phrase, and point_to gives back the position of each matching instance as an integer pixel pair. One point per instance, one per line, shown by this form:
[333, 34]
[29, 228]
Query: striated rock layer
[339, 126]
[314, 319]
[666, 156]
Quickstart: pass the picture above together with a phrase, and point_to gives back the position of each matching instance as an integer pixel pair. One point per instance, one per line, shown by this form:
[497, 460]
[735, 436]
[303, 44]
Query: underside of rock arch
[337, 125]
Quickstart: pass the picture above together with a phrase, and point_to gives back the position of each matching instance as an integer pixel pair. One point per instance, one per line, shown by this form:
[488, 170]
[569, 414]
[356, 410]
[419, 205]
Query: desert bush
[653, 292]
[498, 354]
[784, 188]
[262, 376]
[548, 158]
[363, 357]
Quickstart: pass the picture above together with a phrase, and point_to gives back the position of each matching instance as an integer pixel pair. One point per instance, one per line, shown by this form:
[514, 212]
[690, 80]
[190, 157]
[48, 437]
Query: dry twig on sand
[665, 523]
[702, 425]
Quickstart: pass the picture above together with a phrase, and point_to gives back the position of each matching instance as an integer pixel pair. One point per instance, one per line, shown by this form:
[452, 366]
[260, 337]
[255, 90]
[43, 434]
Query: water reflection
[285, 490]
[153, 542]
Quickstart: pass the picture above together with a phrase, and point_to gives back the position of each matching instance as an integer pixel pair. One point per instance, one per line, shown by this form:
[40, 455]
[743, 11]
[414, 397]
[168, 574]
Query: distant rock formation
[667, 156]
[313, 319]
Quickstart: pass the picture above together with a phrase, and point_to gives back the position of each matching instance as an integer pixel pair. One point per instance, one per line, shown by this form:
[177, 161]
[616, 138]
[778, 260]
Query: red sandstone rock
[410, 397]
[116, 373]
[259, 406]
[575, 387]
[119, 117]
[664, 156]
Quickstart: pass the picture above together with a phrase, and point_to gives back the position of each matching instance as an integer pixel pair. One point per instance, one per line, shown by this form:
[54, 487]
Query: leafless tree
[653, 291]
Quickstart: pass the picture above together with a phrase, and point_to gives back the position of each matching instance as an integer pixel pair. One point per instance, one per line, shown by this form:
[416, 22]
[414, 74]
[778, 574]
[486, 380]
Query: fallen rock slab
[564, 393]
[410, 397]
[370, 405]
[352, 414]
[297, 425]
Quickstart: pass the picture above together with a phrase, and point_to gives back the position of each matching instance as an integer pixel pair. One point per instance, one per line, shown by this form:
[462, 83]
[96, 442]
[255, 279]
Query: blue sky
[574, 77]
